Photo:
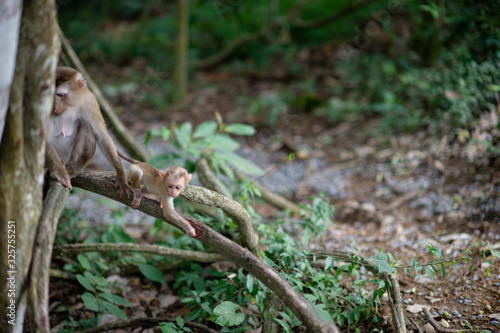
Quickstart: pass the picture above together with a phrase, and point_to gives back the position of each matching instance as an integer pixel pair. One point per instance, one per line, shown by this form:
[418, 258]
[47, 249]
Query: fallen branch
[65, 250]
[437, 327]
[102, 183]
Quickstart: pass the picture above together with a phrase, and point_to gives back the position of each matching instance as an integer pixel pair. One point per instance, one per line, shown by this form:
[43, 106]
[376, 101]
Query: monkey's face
[174, 189]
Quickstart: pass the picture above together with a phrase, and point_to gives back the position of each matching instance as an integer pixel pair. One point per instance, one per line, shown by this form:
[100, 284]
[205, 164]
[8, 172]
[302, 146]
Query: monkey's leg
[135, 174]
[56, 167]
[83, 150]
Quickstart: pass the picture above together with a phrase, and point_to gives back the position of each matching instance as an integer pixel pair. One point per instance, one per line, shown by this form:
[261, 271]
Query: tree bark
[102, 183]
[22, 153]
[38, 292]
[10, 21]
[181, 51]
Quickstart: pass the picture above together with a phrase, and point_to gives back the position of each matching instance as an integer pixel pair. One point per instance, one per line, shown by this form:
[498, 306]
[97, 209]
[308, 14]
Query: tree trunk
[181, 51]
[22, 155]
[10, 20]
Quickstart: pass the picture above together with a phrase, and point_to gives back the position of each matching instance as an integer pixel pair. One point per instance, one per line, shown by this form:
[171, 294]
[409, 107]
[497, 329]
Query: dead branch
[398, 318]
[102, 183]
[114, 123]
[65, 250]
[438, 327]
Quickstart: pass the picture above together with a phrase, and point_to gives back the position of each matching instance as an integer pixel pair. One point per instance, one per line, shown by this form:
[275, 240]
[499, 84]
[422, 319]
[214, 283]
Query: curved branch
[198, 256]
[102, 183]
[53, 204]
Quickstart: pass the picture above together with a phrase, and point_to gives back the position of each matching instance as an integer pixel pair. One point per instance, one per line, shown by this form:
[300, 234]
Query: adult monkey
[76, 126]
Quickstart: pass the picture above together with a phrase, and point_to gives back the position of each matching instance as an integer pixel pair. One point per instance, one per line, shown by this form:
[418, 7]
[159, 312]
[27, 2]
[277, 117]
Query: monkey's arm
[167, 204]
[108, 148]
[83, 150]
[56, 167]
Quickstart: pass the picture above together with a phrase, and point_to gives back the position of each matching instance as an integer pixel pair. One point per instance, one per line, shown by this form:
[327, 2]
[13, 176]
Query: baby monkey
[167, 185]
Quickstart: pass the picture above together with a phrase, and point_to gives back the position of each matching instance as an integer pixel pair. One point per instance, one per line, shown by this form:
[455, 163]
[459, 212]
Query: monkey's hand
[122, 184]
[62, 176]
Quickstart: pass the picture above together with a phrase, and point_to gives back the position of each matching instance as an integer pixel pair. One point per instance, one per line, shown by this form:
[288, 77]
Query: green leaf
[168, 328]
[151, 273]
[90, 301]
[183, 135]
[206, 307]
[240, 163]
[113, 309]
[429, 272]
[222, 142]
[116, 299]
[443, 270]
[225, 314]
[494, 252]
[380, 261]
[240, 129]
[84, 282]
[165, 133]
[84, 261]
[250, 283]
[205, 129]
[284, 325]
[320, 309]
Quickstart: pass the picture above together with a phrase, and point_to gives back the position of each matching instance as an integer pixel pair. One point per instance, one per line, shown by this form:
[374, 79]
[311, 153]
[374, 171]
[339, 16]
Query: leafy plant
[99, 295]
[210, 140]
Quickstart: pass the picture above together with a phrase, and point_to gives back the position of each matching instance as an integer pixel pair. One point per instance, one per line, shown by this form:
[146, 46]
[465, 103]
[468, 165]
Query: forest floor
[399, 194]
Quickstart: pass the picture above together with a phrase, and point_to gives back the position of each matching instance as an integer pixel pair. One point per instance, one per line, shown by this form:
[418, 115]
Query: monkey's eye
[170, 186]
[60, 95]
[178, 187]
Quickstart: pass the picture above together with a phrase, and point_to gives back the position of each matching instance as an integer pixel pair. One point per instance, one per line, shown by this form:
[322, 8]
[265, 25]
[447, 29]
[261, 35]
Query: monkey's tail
[127, 158]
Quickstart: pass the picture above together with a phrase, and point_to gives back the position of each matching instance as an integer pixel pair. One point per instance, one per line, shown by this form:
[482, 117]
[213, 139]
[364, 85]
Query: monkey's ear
[80, 81]
[163, 175]
[189, 176]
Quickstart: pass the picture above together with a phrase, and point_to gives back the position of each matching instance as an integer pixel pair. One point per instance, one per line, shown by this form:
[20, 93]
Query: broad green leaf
[225, 314]
[183, 134]
[168, 328]
[206, 307]
[329, 263]
[429, 272]
[160, 161]
[240, 163]
[494, 252]
[222, 142]
[205, 129]
[116, 299]
[380, 261]
[113, 309]
[84, 282]
[151, 273]
[90, 277]
[284, 325]
[320, 309]
[250, 283]
[90, 301]
[240, 129]
[84, 261]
